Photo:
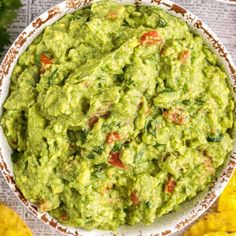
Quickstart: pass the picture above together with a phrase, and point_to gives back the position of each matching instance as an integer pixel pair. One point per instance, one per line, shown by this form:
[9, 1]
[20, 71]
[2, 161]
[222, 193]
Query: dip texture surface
[116, 115]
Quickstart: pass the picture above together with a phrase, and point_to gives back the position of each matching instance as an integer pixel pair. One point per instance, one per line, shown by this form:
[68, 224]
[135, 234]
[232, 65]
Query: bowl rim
[233, 2]
[52, 15]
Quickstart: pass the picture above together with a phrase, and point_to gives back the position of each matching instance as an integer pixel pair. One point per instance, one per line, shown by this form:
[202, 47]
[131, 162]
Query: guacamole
[116, 115]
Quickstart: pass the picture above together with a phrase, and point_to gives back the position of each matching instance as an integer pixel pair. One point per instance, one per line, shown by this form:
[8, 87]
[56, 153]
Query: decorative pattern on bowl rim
[35, 28]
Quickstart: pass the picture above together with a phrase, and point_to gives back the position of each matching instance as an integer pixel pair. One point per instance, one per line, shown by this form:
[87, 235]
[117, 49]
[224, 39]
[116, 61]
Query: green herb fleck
[199, 101]
[15, 156]
[51, 77]
[186, 102]
[216, 138]
[99, 150]
[148, 204]
[82, 135]
[37, 60]
[117, 147]
[159, 146]
[90, 156]
[98, 171]
[139, 155]
[77, 135]
[151, 128]
[161, 23]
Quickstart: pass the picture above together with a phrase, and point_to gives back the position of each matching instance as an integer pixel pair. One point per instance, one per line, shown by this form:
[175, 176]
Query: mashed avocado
[116, 115]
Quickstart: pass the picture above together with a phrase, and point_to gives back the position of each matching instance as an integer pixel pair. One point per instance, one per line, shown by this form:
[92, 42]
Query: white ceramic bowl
[228, 1]
[188, 211]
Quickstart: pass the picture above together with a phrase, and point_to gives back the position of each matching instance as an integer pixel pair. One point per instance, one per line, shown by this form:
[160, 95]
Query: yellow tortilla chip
[227, 200]
[11, 224]
[219, 221]
[221, 233]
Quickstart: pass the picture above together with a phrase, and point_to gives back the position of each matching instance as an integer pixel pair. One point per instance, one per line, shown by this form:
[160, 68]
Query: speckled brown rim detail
[219, 47]
[71, 5]
[20, 41]
[75, 4]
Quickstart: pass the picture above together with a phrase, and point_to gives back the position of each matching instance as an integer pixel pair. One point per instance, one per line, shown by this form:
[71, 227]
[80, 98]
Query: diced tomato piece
[113, 137]
[208, 162]
[148, 111]
[64, 216]
[170, 186]
[112, 15]
[134, 198]
[45, 60]
[115, 160]
[151, 37]
[92, 121]
[184, 55]
[176, 116]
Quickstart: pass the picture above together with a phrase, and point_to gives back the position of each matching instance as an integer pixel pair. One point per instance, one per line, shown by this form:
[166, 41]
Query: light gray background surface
[219, 16]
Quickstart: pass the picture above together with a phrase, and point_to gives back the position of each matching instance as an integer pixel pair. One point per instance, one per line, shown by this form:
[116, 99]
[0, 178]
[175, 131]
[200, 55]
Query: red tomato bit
[112, 15]
[64, 216]
[115, 160]
[170, 186]
[134, 198]
[113, 137]
[184, 55]
[151, 37]
[92, 121]
[45, 60]
[176, 116]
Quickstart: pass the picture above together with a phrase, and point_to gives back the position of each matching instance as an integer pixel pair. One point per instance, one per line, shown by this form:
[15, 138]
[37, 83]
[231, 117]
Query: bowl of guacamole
[117, 117]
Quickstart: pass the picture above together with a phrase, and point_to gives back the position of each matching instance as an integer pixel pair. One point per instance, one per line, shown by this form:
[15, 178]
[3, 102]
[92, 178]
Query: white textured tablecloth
[219, 16]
